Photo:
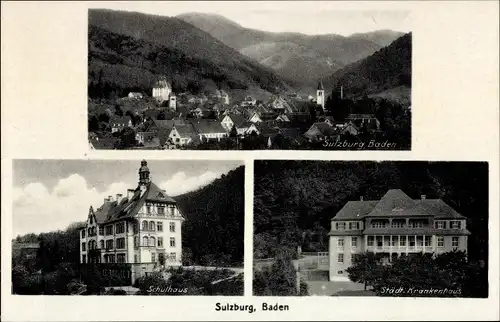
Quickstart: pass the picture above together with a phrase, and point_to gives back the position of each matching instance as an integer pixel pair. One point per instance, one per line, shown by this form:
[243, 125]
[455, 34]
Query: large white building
[142, 229]
[396, 225]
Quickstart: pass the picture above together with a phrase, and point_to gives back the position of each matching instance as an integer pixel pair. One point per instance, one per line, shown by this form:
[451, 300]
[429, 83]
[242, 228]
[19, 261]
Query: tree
[365, 269]
[234, 132]
[278, 280]
[93, 124]
[118, 110]
[126, 138]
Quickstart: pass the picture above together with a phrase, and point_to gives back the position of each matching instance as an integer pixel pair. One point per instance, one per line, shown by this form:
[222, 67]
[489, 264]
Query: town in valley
[152, 90]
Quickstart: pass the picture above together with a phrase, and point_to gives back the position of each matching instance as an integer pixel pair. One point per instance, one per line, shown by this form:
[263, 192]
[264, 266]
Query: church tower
[320, 95]
[143, 174]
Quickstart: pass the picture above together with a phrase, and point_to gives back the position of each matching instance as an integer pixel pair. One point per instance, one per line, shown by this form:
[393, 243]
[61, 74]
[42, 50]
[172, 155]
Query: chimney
[110, 198]
[119, 197]
[130, 193]
[361, 198]
[422, 197]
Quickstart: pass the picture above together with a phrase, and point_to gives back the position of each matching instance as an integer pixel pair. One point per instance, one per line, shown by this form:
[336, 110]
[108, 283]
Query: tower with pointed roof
[320, 94]
[140, 230]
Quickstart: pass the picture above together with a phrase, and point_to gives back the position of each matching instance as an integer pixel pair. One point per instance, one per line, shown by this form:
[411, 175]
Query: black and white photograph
[128, 227]
[365, 228]
[226, 76]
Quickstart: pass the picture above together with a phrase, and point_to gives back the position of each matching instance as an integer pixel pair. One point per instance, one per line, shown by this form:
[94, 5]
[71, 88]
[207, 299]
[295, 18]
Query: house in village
[282, 118]
[182, 135]
[209, 130]
[140, 231]
[162, 90]
[120, 123]
[368, 121]
[100, 143]
[350, 128]
[135, 95]
[248, 101]
[396, 225]
[320, 131]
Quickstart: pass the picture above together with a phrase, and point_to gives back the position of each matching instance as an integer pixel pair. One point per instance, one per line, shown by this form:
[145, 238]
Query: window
[454, 242]
[161, 210]
[397, 224]
[145, 241]
[135, 228]
[173, 256]
[109, 230]
[416, 224]
[340, 258]
[90, 231]
[439, 224]
[101, 244]
[145, 225]
[160, 241]
[402, 241]
[83, 247]
[172, 211]
[354, 225]
[428, 241]
[152, 241]
[354, 242]
[440, 241]
[378, 224]
[120, 258]
[370, 241]
[380, 241]
[340, 225]
[172, 241]
[456, 224]
[109, 244]
[93, 231]
[172, 227]
[83, 233]
[101, 231]
[111, 258]
[120, 228]
[152, 225]
[340, 243]
[84, 258]
[393, 240]
[120, 243]
[159, 226]
[320, 93]
[136, 260]
[411, 242]
[148, 209]
[153, 257]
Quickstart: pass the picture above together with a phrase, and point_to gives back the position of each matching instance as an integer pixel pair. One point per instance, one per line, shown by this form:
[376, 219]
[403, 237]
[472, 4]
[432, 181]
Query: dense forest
[388, 68]
[129, 51]
[213, 232]
[294, 201]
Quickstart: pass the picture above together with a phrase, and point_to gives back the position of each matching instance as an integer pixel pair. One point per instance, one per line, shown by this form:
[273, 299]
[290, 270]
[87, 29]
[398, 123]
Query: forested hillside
[299, 57]
[213, 233]
[294, 201]
[388, 68]
[128, 51]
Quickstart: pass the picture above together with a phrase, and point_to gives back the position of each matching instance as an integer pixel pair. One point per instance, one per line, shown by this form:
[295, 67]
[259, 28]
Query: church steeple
[320, 94]
[143, 173]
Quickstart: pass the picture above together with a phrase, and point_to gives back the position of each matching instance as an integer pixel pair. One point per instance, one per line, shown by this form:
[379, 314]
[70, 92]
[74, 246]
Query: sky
[51, 194]
[307, 17]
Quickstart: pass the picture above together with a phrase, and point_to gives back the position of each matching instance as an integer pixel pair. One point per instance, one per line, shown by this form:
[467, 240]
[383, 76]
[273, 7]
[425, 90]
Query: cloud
[180, 183]
[37, 209]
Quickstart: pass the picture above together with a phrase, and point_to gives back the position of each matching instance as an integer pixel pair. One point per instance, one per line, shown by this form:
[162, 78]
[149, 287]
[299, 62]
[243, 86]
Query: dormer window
[456, 224]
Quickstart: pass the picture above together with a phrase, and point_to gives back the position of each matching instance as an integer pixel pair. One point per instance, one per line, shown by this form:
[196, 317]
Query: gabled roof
[120, 120]
[237, 119]
[128, 208]
[208, 126]
[355, 210]
[396, 203]
[185, 130]
[320, 85]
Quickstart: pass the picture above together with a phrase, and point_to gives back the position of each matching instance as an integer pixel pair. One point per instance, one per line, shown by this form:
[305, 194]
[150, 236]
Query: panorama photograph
[246, 76]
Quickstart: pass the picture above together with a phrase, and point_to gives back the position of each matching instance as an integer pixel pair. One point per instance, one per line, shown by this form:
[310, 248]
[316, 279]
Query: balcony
[400, 249]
